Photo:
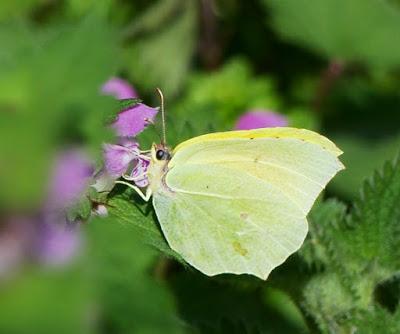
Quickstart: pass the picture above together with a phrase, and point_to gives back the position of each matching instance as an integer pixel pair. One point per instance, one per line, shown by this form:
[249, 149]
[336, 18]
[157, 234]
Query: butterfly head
[160, 152]
[160, 157]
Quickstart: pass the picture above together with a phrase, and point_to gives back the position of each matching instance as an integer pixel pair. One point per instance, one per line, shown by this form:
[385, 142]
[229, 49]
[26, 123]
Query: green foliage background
[328, 65]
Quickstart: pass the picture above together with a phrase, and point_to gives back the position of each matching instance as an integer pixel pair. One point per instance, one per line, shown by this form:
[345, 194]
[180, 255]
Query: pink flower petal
[132, 121]
[260, 119]
[119, 88]
[140, 171]
[118, 157]
[58, 243]
[71, 175]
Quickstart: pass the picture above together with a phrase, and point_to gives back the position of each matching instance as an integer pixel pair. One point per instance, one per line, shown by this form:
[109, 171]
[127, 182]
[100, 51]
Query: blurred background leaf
[49, 99]
[351, 30]
[130, 298]
[164, 35]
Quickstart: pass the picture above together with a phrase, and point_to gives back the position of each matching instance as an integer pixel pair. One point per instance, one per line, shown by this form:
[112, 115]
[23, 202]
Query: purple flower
[132, 121]
[71, 175]
[125, 159]
[117, 158]
[119, 88]
[139, 173]
[46, 236]
[57, 243]
[255, 119]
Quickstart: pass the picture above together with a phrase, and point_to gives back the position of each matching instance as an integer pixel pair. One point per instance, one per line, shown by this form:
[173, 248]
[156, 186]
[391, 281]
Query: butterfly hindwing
[237, 233]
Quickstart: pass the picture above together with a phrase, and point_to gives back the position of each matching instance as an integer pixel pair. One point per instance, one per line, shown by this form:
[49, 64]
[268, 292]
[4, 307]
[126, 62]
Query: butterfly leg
[133, 178]
[145, 196]
[144, 157]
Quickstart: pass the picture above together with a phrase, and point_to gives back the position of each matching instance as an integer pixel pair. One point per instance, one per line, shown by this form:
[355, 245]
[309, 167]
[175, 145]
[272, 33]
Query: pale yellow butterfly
[236, 202]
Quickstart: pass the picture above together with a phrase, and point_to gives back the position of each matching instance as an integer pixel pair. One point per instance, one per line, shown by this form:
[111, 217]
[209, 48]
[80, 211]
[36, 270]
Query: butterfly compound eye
[162, 155]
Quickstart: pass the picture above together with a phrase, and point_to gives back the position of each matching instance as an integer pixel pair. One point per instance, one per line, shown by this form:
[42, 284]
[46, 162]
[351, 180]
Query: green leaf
[301, 117]
[357, 251]
[376, 320]
[369, 240]
[132, 299]
[338, 28]
[121, 105]
[162, 47]
[29, 304]
[64, 109]
[213, 307]
[361, 156]
[81, 210]
[18, 8]
[127, 210]
[329, 302]
[323, 219]
[128, 103]
[224, 95]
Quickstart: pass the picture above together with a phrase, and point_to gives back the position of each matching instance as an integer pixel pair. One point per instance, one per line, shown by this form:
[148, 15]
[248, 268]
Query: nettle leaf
[328, 302]
[323, 218]
[358, 252]
[338, 28]
[376, 320]
[129, 210]
[369, 240]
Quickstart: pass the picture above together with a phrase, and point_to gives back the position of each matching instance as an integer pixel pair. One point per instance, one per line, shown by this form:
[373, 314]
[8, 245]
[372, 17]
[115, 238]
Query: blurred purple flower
[57, 243]
[71, 175]
[132, 121]
[255, 119]
[119, 88]
[46, 236]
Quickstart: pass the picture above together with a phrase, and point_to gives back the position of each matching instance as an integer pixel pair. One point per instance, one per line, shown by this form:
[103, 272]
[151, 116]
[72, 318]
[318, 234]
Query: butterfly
[237, 201]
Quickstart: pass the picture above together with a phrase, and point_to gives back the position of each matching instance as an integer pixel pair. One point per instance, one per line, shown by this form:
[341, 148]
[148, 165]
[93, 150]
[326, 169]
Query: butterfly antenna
[164, 141]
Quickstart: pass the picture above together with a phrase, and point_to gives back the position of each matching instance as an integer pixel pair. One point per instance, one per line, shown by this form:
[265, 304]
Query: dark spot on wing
[251, 137]
[239, 248]
[244, 215]
[207, 187]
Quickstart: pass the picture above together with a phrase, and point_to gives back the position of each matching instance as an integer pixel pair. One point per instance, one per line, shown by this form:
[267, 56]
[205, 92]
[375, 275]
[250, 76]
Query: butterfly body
[236, 202]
